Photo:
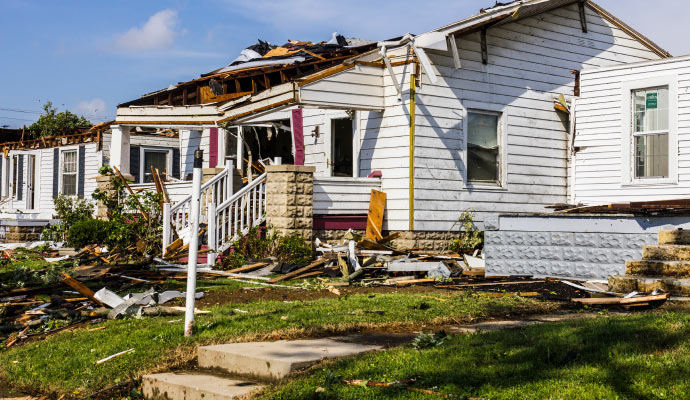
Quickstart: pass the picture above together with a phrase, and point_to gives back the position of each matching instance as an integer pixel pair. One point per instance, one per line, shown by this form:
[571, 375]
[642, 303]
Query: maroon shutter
[298, 135]
[213, 148]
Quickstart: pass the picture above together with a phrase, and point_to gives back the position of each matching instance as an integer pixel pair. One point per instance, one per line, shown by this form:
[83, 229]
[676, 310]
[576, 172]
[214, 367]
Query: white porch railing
[214, 191]
[234, 217]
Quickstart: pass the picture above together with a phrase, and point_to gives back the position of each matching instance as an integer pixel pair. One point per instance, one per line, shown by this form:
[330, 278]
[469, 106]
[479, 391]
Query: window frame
[628, 134]
[501, 136]
[62, 173]
[326, 132]
[154, 149]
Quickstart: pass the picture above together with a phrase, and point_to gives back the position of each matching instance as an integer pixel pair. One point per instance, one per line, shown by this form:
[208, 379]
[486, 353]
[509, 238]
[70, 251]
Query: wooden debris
[249, 267]
[621, 301]
[307, 275]
[377, 206]
[319, 262]
[79, 287]
[101, 361]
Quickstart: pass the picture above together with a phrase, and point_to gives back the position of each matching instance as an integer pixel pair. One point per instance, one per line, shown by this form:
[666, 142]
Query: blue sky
[89, 56]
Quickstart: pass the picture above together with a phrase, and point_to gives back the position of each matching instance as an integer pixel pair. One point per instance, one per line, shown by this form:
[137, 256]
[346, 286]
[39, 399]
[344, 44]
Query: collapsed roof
[257, 68]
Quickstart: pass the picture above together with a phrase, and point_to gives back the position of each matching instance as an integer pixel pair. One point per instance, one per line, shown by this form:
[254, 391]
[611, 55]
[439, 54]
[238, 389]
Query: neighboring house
[34, 172]
[487, 132]
[632, 139]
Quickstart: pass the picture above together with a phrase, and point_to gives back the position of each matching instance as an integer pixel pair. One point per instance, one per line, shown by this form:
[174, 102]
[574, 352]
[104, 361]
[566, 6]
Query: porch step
[666, 268]
[666, 252]
[645, 284]
[674, 237]
[275, 360]
[195, 386]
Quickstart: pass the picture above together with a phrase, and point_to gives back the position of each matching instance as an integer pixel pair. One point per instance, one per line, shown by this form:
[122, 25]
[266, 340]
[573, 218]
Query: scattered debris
[101, 361]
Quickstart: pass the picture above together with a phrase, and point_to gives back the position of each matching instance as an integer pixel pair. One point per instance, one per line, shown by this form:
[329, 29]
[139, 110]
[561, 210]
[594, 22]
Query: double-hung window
[650, 122]
[158, 159]
[69, 173]
[483, 147]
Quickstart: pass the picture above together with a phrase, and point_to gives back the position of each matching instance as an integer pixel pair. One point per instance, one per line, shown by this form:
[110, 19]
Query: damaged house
[474, 115]
[33, 173]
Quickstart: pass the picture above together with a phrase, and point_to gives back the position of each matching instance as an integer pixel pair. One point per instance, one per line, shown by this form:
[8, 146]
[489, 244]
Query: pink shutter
[213, 148]
[298, 135]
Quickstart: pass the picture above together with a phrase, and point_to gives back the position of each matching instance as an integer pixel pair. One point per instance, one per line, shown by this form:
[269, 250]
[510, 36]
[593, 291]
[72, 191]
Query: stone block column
[104, 184]
[290, 199]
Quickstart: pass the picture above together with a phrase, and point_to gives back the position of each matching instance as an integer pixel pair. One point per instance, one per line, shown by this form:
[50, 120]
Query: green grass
[64, 363]
[644, 356]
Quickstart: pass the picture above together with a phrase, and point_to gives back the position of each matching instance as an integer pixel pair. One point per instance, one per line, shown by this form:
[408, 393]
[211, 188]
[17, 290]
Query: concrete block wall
[584, 247]
[290, 199]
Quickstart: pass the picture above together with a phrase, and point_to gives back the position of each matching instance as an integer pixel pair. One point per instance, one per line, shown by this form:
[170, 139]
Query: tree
[53, 123]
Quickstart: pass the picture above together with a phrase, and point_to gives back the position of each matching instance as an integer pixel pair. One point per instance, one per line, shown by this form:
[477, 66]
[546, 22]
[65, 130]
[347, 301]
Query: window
[15, 174]
[341, 152]
[483, 146]
[156, 158]
[650, 132]
[69, 173]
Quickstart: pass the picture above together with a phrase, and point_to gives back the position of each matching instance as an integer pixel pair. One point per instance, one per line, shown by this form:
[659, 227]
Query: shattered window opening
[483, 149]
[159, 160]
[341, 153]
[650, 132]
[69, 172]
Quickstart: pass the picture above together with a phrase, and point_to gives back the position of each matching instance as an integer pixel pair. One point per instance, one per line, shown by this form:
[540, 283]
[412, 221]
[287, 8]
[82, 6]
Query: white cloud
[93, 110]
[157, 33]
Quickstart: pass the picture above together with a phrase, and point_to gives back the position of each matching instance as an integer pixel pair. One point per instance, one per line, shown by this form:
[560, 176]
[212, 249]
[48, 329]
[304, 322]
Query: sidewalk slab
[276, 360]
[194, 386]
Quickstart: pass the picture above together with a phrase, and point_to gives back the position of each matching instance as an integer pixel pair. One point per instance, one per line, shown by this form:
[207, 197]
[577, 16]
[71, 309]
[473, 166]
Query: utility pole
[193, 244]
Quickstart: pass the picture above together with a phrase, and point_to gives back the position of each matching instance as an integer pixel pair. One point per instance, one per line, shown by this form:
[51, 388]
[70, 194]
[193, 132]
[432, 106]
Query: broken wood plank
[307, 275]
[79, 287]
[413, 281]
[388, 238]
[608, 301]
[249, 267]
[317, 263]
[377, 206]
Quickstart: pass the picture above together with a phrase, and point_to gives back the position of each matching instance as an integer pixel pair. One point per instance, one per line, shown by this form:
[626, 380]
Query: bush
[294, 249]
[470, 237]
[69, 210]
[89, 231]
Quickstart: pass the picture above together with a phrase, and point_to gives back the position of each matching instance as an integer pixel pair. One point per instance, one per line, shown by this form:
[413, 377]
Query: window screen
[483, 156]
[69, 173]
[157, 159]
[650, 132]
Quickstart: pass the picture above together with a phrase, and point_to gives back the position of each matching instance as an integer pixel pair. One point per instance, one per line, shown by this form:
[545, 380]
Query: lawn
[641, 356]
[65, 362]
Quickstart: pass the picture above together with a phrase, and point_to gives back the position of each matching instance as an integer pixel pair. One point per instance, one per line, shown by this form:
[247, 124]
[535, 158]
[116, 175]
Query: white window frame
[493, 109]
[12, 181]
[61, 169]
[142, 159]
[327, 132]
[628, 134]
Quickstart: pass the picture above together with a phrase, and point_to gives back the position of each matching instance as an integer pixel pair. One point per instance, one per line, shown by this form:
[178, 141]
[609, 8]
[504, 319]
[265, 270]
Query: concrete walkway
[233, 370]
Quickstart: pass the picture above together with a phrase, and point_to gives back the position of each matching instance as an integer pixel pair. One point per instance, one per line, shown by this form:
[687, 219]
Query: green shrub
[68, 210]
[89, 231]
[294, 249]
[470, 237]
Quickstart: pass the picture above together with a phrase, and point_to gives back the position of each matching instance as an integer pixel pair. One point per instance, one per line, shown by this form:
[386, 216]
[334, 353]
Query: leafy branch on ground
[261, 242]
[470, 237]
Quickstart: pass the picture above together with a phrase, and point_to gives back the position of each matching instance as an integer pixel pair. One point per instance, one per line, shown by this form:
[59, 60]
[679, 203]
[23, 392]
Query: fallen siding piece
[113, 356]
[377, 206]
[314, 264]
[109, 298]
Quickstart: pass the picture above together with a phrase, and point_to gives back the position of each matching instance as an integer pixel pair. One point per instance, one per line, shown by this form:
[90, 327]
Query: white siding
[358, 88]
[344, 196]
[529, 64]
[601, 168]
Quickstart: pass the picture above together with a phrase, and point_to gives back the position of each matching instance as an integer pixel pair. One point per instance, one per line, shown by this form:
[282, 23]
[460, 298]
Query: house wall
[529, 64]
[603, 165]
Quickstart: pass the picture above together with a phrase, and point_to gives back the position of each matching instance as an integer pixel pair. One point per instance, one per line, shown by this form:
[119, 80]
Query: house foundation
[429, 241]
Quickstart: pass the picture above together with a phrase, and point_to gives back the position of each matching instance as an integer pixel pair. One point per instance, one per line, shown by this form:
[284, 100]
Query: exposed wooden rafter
[583, 15]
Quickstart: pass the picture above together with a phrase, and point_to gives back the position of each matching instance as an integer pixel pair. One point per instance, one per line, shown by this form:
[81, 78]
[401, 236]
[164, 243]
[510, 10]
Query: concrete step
[666, 252]
[194, 386]
[646, 284]
[276, 360]
[674, 237]
[669, 269]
